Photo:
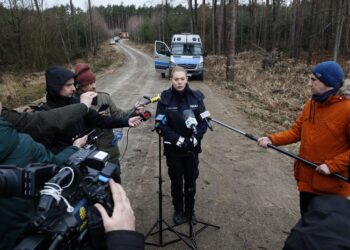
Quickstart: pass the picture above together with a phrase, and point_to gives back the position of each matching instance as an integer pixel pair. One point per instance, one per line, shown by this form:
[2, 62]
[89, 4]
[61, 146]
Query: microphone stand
[159, 221]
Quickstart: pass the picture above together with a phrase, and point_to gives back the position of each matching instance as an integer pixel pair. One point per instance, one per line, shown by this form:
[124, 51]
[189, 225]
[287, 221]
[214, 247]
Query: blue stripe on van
[161, 65]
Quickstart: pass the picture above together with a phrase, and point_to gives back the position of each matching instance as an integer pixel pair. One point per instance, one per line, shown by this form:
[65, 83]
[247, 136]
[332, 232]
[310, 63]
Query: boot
[178, 217]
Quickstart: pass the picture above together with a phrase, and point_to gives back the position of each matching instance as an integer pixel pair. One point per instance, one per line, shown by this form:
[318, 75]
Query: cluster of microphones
[188, 115]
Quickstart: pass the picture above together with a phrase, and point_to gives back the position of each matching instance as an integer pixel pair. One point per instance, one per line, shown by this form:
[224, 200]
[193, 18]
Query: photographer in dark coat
[20, 149]
[60, 92]
[181, 144]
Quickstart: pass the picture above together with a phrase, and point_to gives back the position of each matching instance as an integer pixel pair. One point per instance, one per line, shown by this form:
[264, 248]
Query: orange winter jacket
[323, 130]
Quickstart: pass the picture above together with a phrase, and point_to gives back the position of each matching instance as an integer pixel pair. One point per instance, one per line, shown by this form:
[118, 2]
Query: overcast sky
[83, 3]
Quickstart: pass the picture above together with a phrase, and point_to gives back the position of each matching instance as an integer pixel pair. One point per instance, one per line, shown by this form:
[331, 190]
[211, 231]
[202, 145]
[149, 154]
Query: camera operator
[42, 124]
[86, 81]
[181, 144]
[120, 227]
[60, 92]
[20, 149]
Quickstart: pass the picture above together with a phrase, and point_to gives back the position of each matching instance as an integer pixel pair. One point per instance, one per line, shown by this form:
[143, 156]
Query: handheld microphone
[190, 120]
[146, 115]
[205, 116]
[151, 99]
[160, 120]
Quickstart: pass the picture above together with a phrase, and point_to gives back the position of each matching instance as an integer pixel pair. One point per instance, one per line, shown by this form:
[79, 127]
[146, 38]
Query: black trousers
[305, 199]
[183, 172]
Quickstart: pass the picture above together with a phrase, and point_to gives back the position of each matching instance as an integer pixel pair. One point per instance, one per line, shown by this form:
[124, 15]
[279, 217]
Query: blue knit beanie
[330, 73]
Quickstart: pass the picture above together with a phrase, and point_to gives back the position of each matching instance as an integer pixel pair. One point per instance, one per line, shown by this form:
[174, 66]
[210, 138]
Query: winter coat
[172, 105]
[104, 141]
[42, 124]
[124, 240]
[20, 150]
[323, 130]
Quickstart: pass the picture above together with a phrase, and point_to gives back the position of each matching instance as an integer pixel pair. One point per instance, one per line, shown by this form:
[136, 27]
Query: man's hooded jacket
[56, 77]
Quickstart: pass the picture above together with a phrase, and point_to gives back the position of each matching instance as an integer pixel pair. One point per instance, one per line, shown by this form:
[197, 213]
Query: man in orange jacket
[323, 129]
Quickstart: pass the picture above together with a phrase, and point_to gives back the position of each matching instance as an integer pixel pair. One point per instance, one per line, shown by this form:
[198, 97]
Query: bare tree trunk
[340, 22]
[294, 32]
[231, 37]
[92, 43]
[191, 15]
[213, 27]
[253, 21]
[347, 31]
[72, 10]
[203, 24]
[311, 31]
[221, 29]
[166, 25]
[329, 33]
[195, 17]
[266, 25]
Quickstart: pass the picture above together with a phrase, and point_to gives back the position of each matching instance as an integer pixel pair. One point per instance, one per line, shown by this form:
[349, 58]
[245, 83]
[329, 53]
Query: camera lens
[9, 183]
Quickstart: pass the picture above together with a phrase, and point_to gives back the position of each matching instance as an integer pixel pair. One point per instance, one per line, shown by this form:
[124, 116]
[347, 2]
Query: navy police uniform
[182, 158]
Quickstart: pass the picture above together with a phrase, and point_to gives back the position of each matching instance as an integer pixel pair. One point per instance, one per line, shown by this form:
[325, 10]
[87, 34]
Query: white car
[112, 41]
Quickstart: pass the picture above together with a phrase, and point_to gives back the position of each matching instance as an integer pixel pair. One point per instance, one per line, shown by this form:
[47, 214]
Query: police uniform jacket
[172, 105]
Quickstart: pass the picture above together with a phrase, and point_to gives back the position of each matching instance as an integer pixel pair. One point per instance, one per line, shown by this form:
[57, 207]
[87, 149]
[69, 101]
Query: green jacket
[20, 149]
[104, 141]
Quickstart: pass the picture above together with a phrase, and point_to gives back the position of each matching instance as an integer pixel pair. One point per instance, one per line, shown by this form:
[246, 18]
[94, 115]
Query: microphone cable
[126, 146]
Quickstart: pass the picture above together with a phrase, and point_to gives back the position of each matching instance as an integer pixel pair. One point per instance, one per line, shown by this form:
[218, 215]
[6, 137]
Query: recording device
[205, 116]
[24, 182]
[65, 214]
[190, 120]
[103, 107]
[94, 101]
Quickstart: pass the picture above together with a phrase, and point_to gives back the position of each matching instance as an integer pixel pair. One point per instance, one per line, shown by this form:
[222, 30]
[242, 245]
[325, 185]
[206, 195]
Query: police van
[185, 51]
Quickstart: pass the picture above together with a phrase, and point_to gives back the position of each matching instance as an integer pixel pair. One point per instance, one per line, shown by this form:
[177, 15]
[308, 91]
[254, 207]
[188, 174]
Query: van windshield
[186, 49]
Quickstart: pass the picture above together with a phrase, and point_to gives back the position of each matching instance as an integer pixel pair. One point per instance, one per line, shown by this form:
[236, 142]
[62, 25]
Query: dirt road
[248, 191]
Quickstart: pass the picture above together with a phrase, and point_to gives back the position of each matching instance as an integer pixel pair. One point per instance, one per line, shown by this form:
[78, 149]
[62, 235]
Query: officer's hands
[87, 97]
[135, 121]
[123, 216]
[323, 169]
[190, 143]
[263, 141]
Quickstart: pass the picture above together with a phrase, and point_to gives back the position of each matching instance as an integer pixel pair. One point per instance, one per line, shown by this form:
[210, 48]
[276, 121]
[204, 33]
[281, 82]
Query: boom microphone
[190, 120]
[205, 116]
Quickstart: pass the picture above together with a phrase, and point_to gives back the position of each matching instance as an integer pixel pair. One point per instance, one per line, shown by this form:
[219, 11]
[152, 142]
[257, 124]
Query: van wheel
[163, 75]
[201, 76]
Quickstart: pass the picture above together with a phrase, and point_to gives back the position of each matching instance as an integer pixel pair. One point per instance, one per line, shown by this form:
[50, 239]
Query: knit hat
[330, 73]
[56, 77]
[84, 74]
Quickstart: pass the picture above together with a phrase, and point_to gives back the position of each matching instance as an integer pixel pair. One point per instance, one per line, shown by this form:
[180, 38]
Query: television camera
[65, 216]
